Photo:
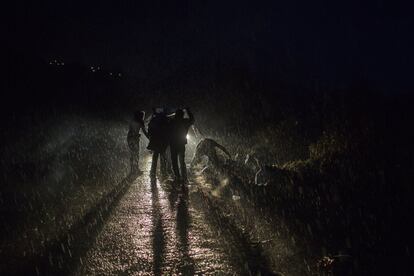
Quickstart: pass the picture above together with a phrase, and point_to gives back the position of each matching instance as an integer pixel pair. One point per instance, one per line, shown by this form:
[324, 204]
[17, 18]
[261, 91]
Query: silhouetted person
[136, 125]
[178, 140]
[158, 140]
[207, 147]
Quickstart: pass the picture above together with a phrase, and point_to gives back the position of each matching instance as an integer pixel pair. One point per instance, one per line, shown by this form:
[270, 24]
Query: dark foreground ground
[165, 228]
[146, 227]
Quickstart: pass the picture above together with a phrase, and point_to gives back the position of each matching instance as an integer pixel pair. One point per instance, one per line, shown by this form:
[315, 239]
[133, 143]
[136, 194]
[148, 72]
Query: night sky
[334, 43]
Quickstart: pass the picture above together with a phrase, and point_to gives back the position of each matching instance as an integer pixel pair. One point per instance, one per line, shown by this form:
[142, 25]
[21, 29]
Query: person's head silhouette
[179, 114]
[139, 115]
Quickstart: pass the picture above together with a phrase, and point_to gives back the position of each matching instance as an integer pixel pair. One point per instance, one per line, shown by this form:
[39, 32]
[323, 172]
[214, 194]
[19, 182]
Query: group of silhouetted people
[164, 131]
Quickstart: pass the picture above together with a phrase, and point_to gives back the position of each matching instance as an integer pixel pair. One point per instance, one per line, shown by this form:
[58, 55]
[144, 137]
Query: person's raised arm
[190, 115]
[143, 129]
[222, 148]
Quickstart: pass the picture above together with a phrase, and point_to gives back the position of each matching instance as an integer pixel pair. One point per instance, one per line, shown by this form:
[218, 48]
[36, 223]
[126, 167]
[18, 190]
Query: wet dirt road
[157, 229]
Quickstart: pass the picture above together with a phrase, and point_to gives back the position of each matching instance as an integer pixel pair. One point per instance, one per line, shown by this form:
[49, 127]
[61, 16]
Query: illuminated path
[155, 230]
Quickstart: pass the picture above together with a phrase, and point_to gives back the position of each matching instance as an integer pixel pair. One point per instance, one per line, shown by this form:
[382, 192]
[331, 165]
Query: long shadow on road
[177, 196]
[65, 253]
[182, 228]
[239, 245]
[158, 235]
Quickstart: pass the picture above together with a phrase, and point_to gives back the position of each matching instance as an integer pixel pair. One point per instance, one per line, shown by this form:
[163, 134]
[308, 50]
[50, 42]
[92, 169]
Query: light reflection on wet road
[155, 230]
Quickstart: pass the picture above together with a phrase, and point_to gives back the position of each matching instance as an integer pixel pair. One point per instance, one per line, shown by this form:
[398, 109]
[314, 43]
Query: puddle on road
[154, 230]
